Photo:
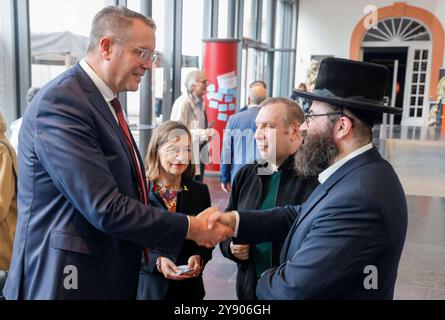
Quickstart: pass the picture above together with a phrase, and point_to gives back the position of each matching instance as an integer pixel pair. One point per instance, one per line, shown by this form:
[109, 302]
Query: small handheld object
[183, 269]
[211, 124]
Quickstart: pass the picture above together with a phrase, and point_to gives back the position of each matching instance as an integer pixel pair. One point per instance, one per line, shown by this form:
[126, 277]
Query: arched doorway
[413, 33]
[409, 43]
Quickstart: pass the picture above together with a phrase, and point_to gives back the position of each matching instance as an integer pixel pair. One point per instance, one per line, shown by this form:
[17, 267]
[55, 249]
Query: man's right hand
[240, 251]
[205, 235]
[226, 218]
[226, 187]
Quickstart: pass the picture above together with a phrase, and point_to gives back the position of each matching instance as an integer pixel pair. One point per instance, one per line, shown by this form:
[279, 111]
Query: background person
[189, 109]
[239, 146]
[16, 124]
[259, 83]
[303, 102]
[8, 196]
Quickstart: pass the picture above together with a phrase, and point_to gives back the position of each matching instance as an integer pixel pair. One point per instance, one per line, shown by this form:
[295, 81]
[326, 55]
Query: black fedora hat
[358, 86]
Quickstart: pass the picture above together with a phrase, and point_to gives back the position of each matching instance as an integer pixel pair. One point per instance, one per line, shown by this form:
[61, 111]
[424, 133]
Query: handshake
[211, 227]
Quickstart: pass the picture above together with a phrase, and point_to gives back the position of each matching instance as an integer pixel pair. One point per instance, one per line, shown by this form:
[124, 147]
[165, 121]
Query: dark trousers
[200, 177]
[203, 149]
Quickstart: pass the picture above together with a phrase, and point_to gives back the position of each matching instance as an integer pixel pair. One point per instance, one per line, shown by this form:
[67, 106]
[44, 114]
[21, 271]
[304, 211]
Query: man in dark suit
[83, 212]
[346, 240]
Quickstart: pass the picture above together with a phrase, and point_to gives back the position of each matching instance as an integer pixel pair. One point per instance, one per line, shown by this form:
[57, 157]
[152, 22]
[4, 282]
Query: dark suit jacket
[356, 218]
[152, 284]
[78, 201]
[248, 194]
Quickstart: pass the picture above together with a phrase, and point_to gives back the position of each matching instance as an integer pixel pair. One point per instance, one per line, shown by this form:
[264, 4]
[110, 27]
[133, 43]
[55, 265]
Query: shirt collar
[196, 101]
[323, 176]
[273, 167]
[104, 89]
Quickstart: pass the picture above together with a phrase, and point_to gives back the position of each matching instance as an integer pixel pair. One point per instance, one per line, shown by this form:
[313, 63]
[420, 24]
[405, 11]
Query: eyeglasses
[308, 116]
[204, 82]
[144, 54]
[173, 152]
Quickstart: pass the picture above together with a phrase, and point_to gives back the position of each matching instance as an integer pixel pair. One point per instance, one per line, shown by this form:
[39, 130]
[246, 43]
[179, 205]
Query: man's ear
[295, 131]
[105, 46]
[343, 127]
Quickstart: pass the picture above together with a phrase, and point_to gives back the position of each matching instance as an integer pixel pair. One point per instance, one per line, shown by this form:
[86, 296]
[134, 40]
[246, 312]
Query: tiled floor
[419, 159]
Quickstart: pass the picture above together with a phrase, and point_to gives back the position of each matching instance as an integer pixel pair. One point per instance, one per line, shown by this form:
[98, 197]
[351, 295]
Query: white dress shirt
[108, 95]
[104, 89]
[323, 176]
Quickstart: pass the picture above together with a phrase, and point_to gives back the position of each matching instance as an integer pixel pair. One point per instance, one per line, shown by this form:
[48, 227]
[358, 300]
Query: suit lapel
[315, 197]
[98, 101]
[323, 189]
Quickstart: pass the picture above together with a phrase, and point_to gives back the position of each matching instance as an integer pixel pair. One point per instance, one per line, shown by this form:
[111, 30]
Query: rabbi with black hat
[346, 240]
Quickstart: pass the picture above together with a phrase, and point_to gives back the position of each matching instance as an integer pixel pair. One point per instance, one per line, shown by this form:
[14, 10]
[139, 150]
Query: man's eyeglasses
[309, 116]
[144, 54]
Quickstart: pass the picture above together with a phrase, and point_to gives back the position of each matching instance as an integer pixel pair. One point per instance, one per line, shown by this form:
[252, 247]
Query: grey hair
[192, 78]
[114, 21]
[31, 93]
[3, 123]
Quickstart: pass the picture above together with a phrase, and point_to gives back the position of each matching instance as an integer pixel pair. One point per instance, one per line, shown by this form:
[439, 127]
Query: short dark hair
[114, 21]
[258, 83]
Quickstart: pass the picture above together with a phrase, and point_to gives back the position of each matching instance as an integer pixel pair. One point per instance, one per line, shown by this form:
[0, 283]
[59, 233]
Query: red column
[220, 66]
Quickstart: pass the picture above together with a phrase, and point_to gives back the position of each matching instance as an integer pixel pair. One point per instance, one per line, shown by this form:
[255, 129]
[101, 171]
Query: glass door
[415, 111]
[254, 67]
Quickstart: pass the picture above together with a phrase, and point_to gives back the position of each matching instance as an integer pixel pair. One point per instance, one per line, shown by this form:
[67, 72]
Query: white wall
[325, 26]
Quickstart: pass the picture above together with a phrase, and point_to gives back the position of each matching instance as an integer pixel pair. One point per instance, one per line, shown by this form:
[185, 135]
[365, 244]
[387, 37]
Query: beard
[316, 153]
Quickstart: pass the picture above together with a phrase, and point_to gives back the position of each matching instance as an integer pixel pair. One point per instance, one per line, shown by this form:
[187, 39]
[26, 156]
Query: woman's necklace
[169, 194]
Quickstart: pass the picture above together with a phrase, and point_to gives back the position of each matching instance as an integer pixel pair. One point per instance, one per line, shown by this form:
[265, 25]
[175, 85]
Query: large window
[284, 69]
[158, 15]
[134, 97]
[67, 25]
[266, 27]
[247, 19]
[59, 35]
[223, 6]
[257, 49]
[192, 34]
